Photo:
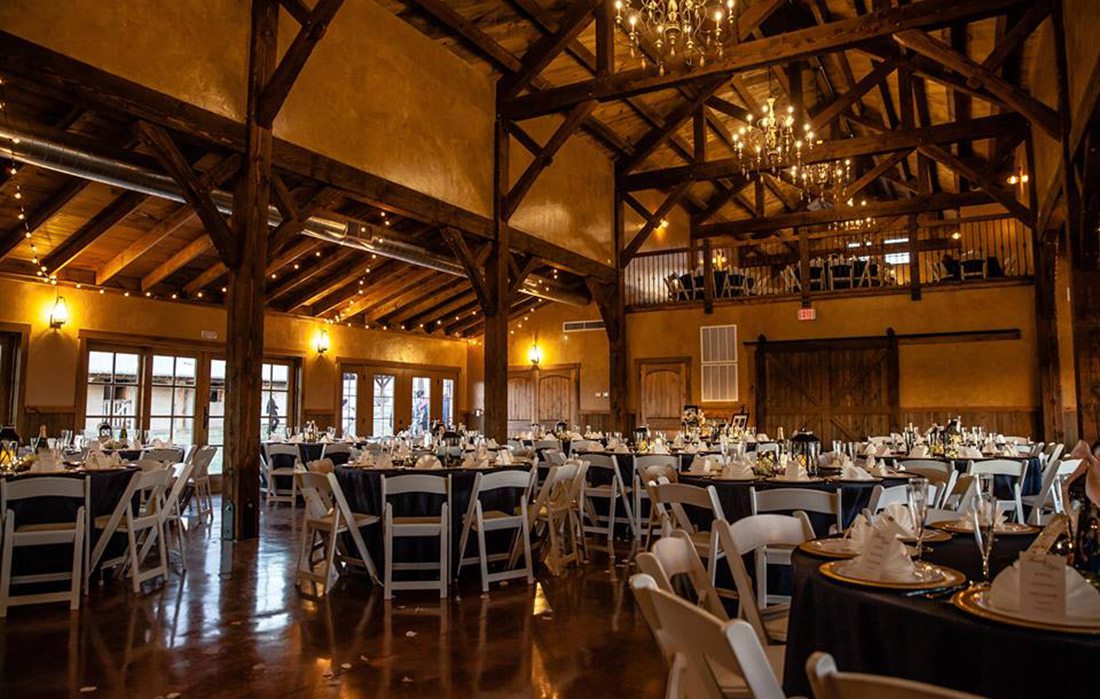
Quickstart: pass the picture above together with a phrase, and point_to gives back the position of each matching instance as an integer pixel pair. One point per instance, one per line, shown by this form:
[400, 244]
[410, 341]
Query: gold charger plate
[1006, 529]
[831, 547]
[948, 577]
[971, 601]
[931, 536]
[777, 479]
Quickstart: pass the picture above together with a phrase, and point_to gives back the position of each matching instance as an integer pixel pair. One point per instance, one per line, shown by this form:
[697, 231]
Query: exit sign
[807, 314]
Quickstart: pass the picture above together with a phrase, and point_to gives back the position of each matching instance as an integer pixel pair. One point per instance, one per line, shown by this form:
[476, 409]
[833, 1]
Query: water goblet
[984, 511]
[916, 490]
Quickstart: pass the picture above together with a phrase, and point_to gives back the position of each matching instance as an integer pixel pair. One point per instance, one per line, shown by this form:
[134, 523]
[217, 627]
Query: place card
[1042, 585]
[875, 552]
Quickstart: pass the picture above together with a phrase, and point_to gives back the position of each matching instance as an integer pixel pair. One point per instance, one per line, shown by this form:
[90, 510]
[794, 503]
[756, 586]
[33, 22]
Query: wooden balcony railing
[954, 251]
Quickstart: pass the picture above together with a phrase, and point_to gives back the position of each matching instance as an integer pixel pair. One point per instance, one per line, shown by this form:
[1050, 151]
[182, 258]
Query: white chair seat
[776, 627]
[599, 491]
[733, 685]
[416, 521]
[361, 520]
[46, 527]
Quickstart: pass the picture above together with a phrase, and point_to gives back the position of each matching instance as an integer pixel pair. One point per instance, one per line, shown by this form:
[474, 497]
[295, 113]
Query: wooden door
[664, 388]
[840, 389]
[521, 400]
[543, 396]
[556, 398]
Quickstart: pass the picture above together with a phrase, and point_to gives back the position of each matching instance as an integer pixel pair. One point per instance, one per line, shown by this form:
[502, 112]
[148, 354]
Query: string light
[14, 170]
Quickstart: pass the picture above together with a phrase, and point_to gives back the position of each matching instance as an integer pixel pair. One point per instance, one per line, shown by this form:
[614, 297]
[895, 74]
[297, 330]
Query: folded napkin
[895, 564]
[383, 460]
[621, 448]
[296, 439]
[691, 449]
[678, 440]
[428, 461]
[899, 515]
[870, 449]
[504, 457]
[325, 439]
[659, 449]
[492, 444]
[472, 461]
[99, 460]
[740, 470]
[761, 437]
[851, 472]
[859, 532]
[595, 446]
[365, 459]
[705, 465]
[792, 471]
[919, 451]
[970, 453]
[1082, 599]
[875, 468]
[160, 444]
[966, 522]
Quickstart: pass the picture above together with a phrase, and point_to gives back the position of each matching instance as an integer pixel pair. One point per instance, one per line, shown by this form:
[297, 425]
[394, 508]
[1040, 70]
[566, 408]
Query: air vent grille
[718, 348]
[577, 326]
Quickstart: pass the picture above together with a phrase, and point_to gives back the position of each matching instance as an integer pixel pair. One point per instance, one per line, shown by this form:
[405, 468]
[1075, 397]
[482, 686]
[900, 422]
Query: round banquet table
[736, 500]
[106, 488]
[363, 489]
[886, 633]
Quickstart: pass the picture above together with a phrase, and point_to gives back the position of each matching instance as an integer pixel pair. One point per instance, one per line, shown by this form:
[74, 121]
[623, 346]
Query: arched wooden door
[543, 395]
[664, 387]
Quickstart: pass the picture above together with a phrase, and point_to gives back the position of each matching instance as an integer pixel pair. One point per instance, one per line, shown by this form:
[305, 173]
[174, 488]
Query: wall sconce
[322, 341]
[534, 355]
[59, 312]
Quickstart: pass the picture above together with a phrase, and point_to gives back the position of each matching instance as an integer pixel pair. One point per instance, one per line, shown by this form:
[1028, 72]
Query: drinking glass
[916, 490]
[984, 511]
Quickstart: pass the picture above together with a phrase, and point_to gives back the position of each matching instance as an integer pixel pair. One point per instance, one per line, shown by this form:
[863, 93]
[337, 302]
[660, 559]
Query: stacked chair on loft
[605, 485]
[400, 524]
[479, 521]
[327, 517]
[28, 531]
[280, 463]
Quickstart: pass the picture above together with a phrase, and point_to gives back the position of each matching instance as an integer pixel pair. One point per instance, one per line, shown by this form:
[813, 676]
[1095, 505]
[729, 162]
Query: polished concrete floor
[235, 625]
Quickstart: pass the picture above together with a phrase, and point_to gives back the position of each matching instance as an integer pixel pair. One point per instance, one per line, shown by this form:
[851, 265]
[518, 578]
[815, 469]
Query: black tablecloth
[107, 487]
[930, 640]
[363, 490]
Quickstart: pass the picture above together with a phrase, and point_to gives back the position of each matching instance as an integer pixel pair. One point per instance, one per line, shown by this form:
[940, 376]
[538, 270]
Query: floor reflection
[234, 624]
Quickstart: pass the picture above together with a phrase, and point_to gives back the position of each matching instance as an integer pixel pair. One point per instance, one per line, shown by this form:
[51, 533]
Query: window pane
[448, 401]
[163, 370]
[161, 403]
[160, 428]
[421, 402]
[217, 371]
[185, 371]
[100, 366]
[349, 401]
[126, 368]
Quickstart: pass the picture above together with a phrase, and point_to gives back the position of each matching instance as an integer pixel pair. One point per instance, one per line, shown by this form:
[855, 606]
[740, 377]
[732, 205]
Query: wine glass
[984, 512]
[916, 490]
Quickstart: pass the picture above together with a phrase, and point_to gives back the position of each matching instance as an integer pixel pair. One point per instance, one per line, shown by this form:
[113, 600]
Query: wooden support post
[804, 265]
[496, 278]
[708, 277]
[893, 387]
[611, 303]
[244, 350]
[914, 259]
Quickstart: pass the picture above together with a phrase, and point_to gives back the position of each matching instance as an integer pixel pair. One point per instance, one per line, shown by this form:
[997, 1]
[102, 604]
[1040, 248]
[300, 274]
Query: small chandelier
[688, 32]
[853, 224]
[772, 141]
[825, 181]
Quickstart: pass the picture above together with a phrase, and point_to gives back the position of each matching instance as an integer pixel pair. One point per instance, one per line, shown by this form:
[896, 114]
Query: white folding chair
[401, 526]
[764, 537]
[143, 528]
[881, 498]
[708, 658]
[670, 498]
[674, 556]
[339, 453]
[327, 516]
[829, 683]
[557, 508]
[169, 455]
[612, 489]
[173, 521]
[790, 500]
[648, 469]
[50, 533]
[281, 461]
[202, 493]
[1011, 468]
[944, 479]
[1048, 500]
[480, 521]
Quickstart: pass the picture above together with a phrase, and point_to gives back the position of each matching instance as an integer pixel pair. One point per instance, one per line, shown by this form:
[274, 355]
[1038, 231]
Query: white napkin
[792, 471]
[383, 460]
[659, 449]
[896, 564]
[678, 440]
[296, 439]
[97, 460]
[870, 449]
[595, 446]
[691, 449]
[365, 459]
[704, 465]
[472, 461]
[898, 514]
[45, 462]
[621, 448]
[1082, 599]
[428, 461]
[739, 470]
[859, 532]
[919, 451]
[849, 472]
[492, 444]
[762, 437]
[325, 439]
[966, 522]
[504, 457]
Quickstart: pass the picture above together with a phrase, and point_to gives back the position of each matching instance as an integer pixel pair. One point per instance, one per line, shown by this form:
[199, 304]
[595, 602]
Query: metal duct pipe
[49, 155]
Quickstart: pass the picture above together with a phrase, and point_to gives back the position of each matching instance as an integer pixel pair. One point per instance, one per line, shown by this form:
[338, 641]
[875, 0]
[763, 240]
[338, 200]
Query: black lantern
[561, 427]
[805, 450]
[106, 432]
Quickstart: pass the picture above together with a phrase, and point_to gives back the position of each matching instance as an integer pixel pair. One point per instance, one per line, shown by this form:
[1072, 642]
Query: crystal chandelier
[772, 141]
[689, 32]
[825, 181]
[853, 224]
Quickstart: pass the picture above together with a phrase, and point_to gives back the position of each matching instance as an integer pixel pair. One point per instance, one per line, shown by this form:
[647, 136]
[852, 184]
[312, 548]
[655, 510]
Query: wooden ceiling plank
[546, 49]
[41, 214]
[185, 255]
[986, 181]
[649, 142]
[64, 254]
[1016, 36]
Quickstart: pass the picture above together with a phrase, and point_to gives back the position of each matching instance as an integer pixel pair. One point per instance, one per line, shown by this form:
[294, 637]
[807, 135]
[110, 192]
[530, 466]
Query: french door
[378, 401]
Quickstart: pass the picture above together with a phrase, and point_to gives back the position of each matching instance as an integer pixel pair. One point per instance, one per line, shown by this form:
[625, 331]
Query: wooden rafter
[885, 165]
[177, 261]
[1014, 39]
[121, 207]
[652, 221]
[290, 65]
[833, 110]
[372, 299]
[648, 143]
[474, 271]
[546, 49]
[985, 180]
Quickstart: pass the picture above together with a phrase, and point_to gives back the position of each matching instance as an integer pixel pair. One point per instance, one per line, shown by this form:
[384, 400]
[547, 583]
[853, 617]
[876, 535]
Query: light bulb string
[14, 172]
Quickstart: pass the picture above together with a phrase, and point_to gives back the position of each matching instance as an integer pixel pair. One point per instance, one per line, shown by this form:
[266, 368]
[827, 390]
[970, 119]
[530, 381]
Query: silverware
[937, 592]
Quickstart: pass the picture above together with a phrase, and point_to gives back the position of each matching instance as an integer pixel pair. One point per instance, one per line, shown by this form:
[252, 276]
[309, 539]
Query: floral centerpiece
[693, 420]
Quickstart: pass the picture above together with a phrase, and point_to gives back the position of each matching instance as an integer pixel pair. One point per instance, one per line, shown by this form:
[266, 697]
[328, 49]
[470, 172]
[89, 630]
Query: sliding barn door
[840, 389]
[664, 388]
[544, 396]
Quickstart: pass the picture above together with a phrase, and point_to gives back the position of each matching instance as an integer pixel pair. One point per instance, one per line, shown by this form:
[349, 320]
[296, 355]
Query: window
[421, 403]
[275, 398]
[114, 389]
[172, 400]
[349, 392]
[448, 401]
[215, 425]
[383, 405]
[719, 353]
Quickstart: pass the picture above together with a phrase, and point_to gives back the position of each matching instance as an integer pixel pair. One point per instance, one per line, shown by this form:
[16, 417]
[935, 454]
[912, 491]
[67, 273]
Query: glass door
[215, 413]
[421, 404]
[382, 391]
[113, 391]
[172, 399]
[349, 403]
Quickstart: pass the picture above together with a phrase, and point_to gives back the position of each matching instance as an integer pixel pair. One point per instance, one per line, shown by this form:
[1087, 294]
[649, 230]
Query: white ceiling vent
[577, 326]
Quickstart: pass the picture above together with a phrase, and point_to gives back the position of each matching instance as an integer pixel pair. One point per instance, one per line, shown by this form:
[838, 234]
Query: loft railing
[885, 258]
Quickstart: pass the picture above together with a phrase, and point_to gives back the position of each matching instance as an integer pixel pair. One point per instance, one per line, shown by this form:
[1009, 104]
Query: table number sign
[1042, 585]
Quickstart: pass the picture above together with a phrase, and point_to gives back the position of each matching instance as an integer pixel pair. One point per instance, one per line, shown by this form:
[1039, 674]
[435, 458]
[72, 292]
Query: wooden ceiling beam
[546, 49]
[474, 271]
[760, 53]
[180, 216]
[1036, 112]
[834, 109]
[919, 204]
[1015, 37]
[384, 313]
[40, 215]
[413, 314]
[313, 28]
[985, 180]
[650, 225]
[376, 296]
[304, 281]
[297, 214]
[464, 302]
[177, 261]
[324, 285]
[649, 142]
[885, 165]
[886, 142]
[121, 207]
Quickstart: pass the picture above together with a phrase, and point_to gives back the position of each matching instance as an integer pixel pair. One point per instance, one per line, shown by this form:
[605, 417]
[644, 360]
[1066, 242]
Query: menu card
[1042, 585]
[875, 552]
